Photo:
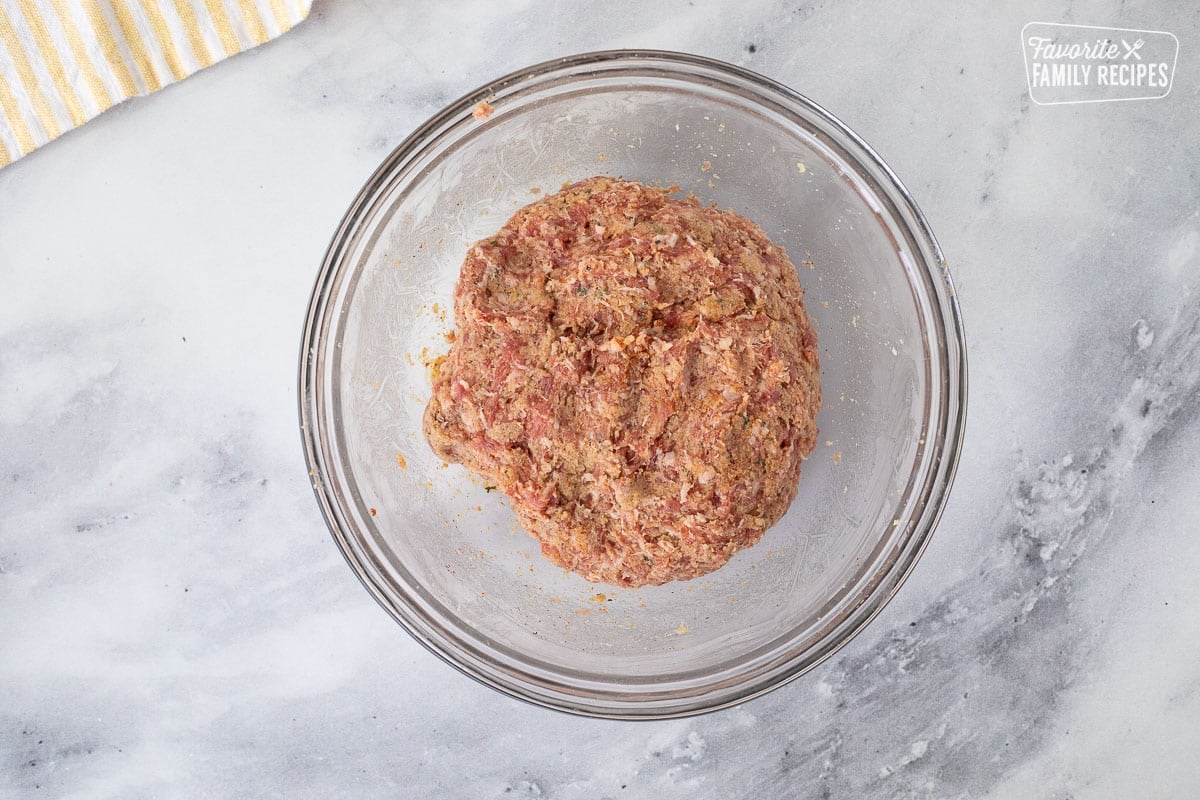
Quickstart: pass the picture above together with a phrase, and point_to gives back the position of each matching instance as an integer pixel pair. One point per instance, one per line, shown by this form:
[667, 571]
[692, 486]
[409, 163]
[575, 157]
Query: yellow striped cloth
[62, 62]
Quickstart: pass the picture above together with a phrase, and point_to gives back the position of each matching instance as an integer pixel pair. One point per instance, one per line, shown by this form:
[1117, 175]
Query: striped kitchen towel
[62, 62]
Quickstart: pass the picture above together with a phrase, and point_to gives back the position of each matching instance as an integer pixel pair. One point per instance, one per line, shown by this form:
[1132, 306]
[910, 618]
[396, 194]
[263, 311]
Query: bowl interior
[446, 554]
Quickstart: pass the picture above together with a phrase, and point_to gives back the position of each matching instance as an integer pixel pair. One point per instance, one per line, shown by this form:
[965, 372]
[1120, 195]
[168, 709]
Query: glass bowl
[446, 557]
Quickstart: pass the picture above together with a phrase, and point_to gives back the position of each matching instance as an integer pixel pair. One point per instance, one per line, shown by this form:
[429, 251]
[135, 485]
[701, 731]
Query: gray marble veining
[175, 621]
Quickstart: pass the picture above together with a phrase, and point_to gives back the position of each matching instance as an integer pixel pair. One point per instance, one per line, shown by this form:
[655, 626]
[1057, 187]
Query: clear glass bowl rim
[951, 373]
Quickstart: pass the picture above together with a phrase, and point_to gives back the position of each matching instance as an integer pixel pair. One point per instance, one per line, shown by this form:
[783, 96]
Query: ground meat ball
[637, 373]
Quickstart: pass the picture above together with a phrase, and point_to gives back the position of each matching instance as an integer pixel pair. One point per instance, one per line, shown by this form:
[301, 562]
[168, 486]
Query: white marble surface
[176, 622]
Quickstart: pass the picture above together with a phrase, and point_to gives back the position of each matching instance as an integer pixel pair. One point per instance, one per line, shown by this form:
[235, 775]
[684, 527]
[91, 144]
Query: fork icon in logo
[1132, 49]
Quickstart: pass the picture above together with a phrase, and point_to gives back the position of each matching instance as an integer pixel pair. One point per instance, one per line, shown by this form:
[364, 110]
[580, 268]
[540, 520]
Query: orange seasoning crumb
[482, 110]
[372, 511]
[401, 461]
[598, 598]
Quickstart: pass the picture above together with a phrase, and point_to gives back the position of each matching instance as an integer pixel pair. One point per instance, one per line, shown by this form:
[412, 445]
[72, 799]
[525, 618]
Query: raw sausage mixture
[637, 373]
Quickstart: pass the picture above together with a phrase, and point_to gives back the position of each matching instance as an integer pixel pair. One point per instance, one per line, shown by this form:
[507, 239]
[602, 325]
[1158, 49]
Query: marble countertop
[176, 621]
